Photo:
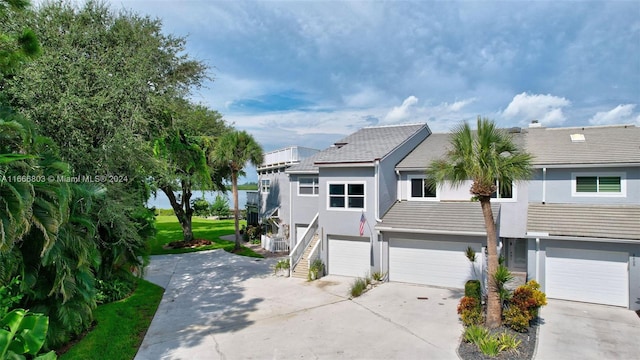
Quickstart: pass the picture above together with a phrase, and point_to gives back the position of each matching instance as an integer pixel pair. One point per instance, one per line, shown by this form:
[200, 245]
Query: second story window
[265, 185]
[346, 196]
[505, 192]
[308, 186]
[419, 190]
[606, 184]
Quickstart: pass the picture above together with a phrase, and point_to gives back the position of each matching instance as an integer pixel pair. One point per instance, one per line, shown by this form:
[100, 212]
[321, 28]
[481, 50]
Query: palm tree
[487, 157]
[236, 149]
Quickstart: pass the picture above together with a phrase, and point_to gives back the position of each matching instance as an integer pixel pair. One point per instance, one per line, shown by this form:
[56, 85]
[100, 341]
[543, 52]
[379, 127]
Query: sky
[308, 73]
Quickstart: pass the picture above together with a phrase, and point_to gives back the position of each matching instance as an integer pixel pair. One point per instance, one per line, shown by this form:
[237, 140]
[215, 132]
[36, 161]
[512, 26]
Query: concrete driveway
[222, 306]
[572, 330]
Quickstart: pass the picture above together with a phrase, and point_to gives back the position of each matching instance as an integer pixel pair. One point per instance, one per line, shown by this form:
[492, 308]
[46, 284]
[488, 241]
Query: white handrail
[296, 254]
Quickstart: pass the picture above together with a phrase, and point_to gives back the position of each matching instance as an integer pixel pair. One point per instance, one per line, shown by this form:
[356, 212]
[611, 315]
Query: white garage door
[427, 262]
[349, 257]
[586, 275]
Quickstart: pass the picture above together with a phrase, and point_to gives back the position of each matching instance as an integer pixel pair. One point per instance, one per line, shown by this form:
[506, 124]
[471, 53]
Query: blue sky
[310, 72]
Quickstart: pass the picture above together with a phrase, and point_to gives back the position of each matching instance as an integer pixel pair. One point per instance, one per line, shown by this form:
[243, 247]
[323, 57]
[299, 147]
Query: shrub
[10, 296]
[516, 318]
[475, 333]
[473, 289]
[508, 342]
[489, 346]
[200, 207]
[113, 289]
[283, 264]
[501, 277]
[316, 269]
[220, 207]
[472, 317]
[468, 303]
[358, 287]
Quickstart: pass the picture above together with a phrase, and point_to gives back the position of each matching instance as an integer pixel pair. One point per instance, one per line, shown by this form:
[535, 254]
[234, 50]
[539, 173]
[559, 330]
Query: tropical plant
[316, 269]
[475, 333]
[489, 346]
[234, 150]
[23, 333]
[486, 157]
[509, 342]
[283, 264]
[500, 278]
[472, 257]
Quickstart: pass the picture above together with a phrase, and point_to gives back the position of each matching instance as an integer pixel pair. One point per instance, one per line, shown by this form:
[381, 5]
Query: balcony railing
[285, 156]
[253, 198]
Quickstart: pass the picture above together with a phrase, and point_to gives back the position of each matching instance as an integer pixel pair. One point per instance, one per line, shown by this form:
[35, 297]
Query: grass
[169, 230]
[121, 326]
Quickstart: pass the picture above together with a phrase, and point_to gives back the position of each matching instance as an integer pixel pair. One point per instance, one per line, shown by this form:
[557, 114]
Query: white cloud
[621, 114]
[458, 105]
[402, 112]
[547, 109]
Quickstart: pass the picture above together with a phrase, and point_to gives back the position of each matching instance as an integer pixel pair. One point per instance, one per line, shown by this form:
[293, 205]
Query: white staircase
[301, 270]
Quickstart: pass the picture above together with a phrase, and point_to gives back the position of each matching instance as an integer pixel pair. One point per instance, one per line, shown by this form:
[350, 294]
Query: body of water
[160, 201]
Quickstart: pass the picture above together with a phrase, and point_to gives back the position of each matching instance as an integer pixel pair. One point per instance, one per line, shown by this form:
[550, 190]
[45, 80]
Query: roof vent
[576, 138]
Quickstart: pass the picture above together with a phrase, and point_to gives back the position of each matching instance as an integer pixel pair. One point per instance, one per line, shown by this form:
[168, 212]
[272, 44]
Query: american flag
[362, 221]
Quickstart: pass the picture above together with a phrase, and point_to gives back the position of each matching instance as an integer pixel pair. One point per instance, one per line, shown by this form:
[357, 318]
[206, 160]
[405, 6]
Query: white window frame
[410, 178]
[268, 186]
[346, 196]
[599, 174]
[315, 185]
[514, 193]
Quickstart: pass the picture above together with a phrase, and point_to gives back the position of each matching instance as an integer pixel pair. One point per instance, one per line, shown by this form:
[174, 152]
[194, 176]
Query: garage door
[600, 277]
[428, 262]
[349, 256]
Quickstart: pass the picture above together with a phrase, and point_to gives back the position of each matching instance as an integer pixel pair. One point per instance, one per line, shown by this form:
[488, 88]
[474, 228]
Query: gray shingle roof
[305, 166]
[436, 217]
[432, 148]
[594, 221]
[368, 144]
[435, 147]
[602, 145]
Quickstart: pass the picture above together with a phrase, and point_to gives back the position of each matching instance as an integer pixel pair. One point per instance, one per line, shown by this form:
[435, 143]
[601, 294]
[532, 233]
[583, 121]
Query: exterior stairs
[301, 271]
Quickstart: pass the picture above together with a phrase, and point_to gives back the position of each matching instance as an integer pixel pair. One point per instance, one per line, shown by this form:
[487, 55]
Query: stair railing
[296, 254]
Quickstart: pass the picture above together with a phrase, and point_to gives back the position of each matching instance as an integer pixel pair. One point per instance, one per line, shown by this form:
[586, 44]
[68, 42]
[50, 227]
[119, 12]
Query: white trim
[346, 196]
[514, 194]
[598, 175]
[268, 186]
[411, 198]
[581, 165]
[421, 231]
[314, 185]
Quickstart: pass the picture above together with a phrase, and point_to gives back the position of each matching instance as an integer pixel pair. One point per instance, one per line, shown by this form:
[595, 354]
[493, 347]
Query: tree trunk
[494, 309]
[183, 215]
[236, 211]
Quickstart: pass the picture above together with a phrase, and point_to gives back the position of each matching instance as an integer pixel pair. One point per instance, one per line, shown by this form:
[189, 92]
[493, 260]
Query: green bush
[115, 289]
[220, 207]
[282, 265]
[516, 318]
[475, 333]
[10, 296]
[473, 289]
[489, 346]
[201, 207]
[472, 317]
[468, 303]
[316, 270]
[509, 342]
[358, 287]
[377, 276]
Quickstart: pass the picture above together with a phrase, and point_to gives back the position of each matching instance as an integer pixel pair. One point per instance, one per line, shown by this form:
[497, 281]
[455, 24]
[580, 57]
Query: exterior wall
[277, 197]
[303, 207]
[536, 262]
[388, 181]
[346, 222]
[513, 214]
[559, 186]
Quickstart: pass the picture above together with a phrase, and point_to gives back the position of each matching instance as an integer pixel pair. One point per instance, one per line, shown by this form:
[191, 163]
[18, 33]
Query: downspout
[538, 260]
[544, 185]
[291, 214]
[377, 205]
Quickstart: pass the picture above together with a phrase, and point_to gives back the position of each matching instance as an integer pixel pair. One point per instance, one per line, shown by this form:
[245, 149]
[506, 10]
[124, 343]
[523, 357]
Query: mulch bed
[526, 350]
[187, 244]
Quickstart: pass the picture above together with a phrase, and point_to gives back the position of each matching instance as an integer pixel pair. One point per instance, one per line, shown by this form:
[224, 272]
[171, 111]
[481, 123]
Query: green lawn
[169, 230]
[121, 326]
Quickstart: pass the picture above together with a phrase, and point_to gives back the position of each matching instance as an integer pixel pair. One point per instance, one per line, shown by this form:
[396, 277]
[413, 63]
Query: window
[419, 190]
[605, 184]
[265, 185]
[506, 193]
[308, 186]
[346, 196]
